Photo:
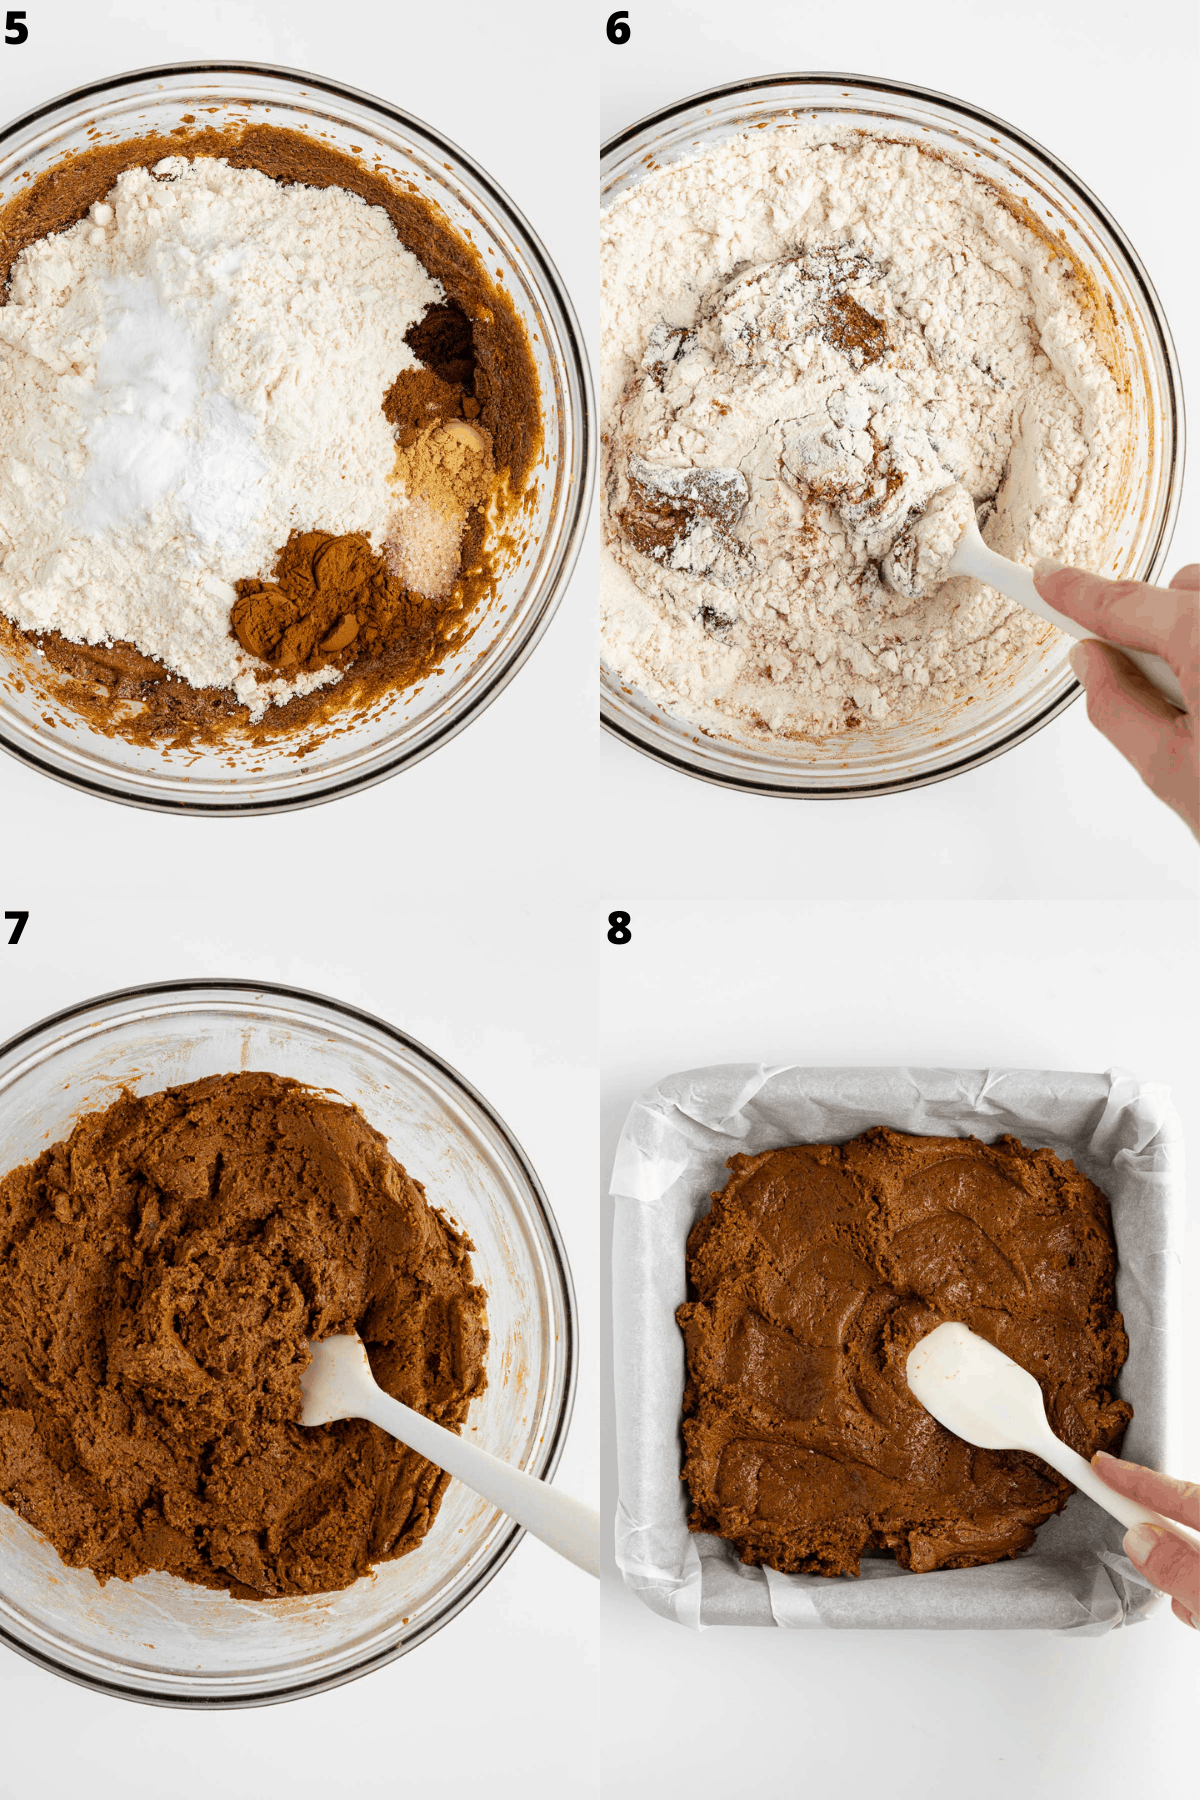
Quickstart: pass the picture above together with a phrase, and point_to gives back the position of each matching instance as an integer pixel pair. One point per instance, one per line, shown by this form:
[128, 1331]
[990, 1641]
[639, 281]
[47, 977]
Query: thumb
[1165, 621]
[1170, 1563]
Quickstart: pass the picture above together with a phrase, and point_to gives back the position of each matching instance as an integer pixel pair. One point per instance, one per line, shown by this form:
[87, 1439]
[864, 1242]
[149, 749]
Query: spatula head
[336, 1381]
[977, 1392]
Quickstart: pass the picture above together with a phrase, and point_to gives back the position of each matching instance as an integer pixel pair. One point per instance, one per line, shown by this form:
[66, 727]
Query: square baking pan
[1124, 1134]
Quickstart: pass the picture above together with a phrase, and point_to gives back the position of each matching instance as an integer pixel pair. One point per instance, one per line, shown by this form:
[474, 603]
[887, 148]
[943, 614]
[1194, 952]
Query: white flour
[188, 375]
[803, 342]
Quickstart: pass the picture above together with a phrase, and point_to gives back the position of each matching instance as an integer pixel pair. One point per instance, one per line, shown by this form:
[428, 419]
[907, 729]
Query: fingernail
[1140, 1540]
[1046, 565]
[1107, 1456]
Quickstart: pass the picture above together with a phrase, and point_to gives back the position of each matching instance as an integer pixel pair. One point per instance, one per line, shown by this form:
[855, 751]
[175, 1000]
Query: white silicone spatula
[338, 1384]
[983, 1396]
[973, 557]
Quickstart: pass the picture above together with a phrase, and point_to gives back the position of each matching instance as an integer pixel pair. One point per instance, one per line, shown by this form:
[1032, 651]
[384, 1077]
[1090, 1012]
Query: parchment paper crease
[1123, 1133]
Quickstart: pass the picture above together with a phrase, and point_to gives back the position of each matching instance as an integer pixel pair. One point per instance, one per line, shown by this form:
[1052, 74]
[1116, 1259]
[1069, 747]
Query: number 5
[16, 30]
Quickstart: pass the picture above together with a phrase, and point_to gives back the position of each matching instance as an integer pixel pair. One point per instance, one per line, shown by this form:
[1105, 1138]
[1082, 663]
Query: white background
[1039, 912]
[453, 900]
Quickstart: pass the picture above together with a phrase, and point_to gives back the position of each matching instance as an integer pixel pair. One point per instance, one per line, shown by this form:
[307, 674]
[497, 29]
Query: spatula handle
[566, 1525]
[1084, 1477]
[1016, 581]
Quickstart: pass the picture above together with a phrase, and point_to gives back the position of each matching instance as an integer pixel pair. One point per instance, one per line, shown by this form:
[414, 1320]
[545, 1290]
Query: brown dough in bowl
[160, 1271]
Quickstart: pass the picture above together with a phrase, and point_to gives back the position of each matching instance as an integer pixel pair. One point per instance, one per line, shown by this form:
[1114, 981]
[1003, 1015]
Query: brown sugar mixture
[814, 1274]
[160, 1271]
[330, 604]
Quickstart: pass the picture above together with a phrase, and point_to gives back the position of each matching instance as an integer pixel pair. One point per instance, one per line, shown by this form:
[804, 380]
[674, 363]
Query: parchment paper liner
[1121, 1132]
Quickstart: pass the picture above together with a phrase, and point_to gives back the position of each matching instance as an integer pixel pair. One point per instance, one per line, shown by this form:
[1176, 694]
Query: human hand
[1159, 740]
[1168, 1561]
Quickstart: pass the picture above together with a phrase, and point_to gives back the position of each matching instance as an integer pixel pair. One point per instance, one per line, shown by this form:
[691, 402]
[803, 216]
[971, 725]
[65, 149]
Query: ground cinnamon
[327, 593]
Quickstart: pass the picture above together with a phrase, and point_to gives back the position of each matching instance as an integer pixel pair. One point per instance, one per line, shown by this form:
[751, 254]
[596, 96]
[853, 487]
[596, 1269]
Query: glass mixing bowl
[163, 1640]
[890, 760]
[407, 726]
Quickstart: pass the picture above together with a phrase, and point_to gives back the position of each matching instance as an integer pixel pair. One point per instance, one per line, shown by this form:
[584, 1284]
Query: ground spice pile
[333, 598]
[328, 595]
[445, 387]
[445, 475]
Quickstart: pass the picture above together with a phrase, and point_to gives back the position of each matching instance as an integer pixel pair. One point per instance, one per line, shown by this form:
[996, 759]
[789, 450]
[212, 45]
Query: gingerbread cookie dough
[812, 1277]
[269, 423]
[160, 1271]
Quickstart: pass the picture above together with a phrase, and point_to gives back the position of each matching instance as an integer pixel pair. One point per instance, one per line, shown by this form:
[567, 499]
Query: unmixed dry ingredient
[445, 474]
[817, 1270]
[804, 341]
[193, 372]
[160, 1272]
[473, 362]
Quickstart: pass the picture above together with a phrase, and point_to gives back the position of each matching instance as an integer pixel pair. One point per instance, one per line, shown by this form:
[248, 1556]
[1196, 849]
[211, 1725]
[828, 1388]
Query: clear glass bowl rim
[315, 1004]
[977, 115]
[578, 504]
